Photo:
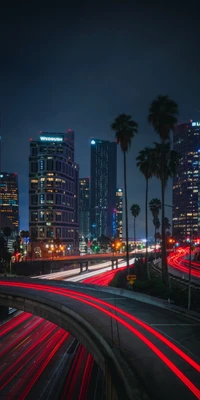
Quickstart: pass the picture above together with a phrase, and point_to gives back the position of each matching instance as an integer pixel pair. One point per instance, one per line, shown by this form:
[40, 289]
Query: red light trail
[177, 261]
[89, 300]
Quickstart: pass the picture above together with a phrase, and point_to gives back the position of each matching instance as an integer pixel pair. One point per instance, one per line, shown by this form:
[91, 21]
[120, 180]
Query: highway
[35, 354]
[179, 265]
[163, 348]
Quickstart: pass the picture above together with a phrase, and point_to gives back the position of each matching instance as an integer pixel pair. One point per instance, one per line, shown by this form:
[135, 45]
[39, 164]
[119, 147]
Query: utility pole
[189, 272]
[1, 195]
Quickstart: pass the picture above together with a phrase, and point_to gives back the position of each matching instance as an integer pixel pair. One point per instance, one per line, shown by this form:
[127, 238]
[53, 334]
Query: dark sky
[80, 66]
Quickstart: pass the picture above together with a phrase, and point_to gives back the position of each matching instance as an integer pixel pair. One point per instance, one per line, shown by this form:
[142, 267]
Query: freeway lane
[179, 265]
[18, 337]
[167, 370]
[36, 355]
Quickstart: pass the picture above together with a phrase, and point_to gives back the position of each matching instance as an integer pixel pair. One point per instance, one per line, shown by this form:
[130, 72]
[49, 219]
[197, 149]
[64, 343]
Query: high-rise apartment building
[54, 189]
[186, 196]
[119, 213]
[9, 201]
[84, 207]
[103, 178]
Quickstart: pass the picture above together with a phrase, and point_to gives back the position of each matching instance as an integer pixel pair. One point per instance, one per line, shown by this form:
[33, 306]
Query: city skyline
[139, 234]
[83, 78]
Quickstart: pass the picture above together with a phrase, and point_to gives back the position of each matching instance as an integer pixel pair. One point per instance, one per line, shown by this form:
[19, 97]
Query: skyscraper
[9, 201]
[84, 206]
[103, 187]
[54, 189]
[186, 204]
[119, 213]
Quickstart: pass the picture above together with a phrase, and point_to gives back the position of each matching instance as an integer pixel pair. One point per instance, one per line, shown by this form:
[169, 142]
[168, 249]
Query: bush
[178, 292]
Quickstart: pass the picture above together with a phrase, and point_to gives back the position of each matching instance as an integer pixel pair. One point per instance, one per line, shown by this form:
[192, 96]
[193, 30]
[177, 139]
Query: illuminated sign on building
[93, 142]
[195, 123]
[51, 139]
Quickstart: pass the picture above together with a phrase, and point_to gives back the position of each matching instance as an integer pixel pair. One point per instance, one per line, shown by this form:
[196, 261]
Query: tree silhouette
[135, 211]
[125, 129]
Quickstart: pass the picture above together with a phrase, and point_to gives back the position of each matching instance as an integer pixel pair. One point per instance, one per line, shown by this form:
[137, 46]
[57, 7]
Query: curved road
[178, 265]
[162, 348]
[38, 358]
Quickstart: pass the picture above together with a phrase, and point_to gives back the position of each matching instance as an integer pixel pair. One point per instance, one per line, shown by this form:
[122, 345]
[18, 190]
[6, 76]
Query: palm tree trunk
[134, 233]
[155, 241]
[164, 254]
[146, 223]
[126, 212]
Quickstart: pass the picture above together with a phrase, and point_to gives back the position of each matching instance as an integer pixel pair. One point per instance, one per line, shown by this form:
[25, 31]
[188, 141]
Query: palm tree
[125, 130]
[168, 170]
[146, 164]
[7, 231]
[135, 211]
[155, 207]
[156, 223]
[163, 116]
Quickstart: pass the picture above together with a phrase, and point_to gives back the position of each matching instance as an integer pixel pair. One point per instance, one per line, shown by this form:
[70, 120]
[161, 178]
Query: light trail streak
[177, 261]
[13, 323]
[82, 298]
[20, 336]
[24, 358]
[83, 393]
[58, 341]
[71, 373]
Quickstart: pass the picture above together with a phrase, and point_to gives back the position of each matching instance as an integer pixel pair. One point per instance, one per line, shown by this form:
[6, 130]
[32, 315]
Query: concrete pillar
[110, 389]
[113, 264]
[81, 267]
[86, 265]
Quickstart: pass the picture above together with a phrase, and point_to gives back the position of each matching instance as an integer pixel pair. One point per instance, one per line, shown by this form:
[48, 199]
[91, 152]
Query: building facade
[54, 189]
[84, 207]
[119, 213]
[103, 175]
[9, 201]
[186, 196]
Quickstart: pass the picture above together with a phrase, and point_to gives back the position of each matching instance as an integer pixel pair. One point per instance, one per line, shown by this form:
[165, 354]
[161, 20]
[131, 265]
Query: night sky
[78, 67]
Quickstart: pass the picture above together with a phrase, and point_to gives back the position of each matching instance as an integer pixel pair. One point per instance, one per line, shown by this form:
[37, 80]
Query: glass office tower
[9, 201]
[186, 200]
[84, 207]
[103, 175]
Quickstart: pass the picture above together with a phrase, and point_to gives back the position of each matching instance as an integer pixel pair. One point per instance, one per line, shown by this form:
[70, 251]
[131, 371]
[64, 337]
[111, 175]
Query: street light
[189, 272]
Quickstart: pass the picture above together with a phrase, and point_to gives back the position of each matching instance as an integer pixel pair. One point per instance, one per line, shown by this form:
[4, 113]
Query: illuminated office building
[186, 195]
[103, 177]
[9, 201]
[84, 207]
[54, 189]
[119, 213]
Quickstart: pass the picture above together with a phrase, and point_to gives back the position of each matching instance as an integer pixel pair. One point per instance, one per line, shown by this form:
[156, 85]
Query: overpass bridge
[144, 350]
[46, 266]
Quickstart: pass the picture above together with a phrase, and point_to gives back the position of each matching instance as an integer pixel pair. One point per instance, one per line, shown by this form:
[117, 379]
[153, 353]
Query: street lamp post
[189, 272]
